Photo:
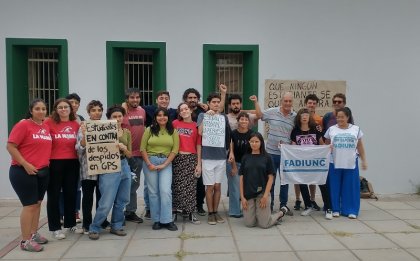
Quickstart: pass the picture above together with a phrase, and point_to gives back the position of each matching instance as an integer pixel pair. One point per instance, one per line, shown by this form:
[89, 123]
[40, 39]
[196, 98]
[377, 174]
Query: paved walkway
[388, 229]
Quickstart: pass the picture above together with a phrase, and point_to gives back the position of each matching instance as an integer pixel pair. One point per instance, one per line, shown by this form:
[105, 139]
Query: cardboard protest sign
[324, 90]
[214, 131]
[103, 154]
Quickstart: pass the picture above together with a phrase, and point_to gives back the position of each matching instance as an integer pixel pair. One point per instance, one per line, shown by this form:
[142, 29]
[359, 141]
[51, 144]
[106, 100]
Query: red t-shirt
[64, 136]
[134, 121]
[33, 142]
[188, 136]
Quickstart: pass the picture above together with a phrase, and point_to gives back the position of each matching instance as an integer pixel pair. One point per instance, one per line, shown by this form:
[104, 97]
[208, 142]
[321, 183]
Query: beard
[235, 110]
[192, 104]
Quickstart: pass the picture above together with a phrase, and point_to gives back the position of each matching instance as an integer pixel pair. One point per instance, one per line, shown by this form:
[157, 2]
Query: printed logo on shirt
[307, 139]
[66, 133]
[135, 120]
[184, 131]
[41, 134]
[345, 141]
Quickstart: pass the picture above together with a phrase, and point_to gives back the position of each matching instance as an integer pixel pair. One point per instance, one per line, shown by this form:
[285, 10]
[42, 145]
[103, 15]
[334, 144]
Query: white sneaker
[352, 216]
[58, 234]
[76, 230]
[336, 214]
[328, 214]
[307, 211]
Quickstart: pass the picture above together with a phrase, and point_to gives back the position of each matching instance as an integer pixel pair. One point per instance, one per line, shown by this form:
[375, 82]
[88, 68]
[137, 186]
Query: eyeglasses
[337, 102]
[63, 107]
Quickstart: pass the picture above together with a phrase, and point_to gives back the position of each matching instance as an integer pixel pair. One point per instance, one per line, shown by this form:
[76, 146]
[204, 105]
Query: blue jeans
[284, 189]
[136, 165]
[234, 193]
[115, 194]
[160, 191]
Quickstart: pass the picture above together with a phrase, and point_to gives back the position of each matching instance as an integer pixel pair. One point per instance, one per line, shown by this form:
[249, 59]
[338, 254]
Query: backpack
[366, 189]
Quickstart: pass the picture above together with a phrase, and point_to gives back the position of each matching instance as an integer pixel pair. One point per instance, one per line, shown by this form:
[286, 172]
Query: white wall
[374, 45]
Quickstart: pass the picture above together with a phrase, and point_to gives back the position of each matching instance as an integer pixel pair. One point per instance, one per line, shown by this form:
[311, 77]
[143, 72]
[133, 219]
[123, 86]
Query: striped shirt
[279, 128]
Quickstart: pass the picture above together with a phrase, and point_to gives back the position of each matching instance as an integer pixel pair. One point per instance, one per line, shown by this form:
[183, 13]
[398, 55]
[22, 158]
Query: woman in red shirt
[186, 167]
[64, 167]
[29, 145]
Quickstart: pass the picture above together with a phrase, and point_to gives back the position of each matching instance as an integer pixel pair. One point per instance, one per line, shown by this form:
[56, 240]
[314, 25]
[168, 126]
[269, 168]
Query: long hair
[31, 107]
[55, 116]
[261, 138]
[311, 123]
[155, 127]
[347, 112]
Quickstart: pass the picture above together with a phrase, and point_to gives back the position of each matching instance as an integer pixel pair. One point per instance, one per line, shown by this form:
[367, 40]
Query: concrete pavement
[388, 229]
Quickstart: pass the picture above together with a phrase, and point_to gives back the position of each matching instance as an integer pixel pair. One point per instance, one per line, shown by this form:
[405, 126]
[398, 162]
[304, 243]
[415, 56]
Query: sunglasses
[337, 102]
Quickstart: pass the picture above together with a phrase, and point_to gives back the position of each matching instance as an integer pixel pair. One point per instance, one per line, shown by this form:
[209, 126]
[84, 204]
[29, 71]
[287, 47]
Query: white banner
[214, 131]
[304, 164]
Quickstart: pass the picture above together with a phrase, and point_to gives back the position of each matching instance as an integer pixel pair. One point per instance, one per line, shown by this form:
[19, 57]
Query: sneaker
[85, 231]
[288, 212]
[171, 226]
[297, 205]
[336, 214]
[307, 212]
[315, 206]
[39, 239]
[156, 226]
[147, 215]
[58, 234]
[31, 246]
[211, 220]
[106, 225]
[352, 216]
[201, 211]
[62, 220]
[78, 219]
[193, 219]
[93, 235]
[118, 232]
[218, 218]
[328, 214]
[133, 218]
[76, 230]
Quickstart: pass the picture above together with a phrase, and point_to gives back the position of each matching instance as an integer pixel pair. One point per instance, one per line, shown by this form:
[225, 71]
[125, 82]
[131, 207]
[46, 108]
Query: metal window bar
[229, 71]
[42, 75]
[138, 71]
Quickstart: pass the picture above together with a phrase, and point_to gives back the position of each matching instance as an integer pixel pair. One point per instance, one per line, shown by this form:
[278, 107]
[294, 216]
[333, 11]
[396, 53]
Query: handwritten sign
[103, 154]
[214, 131]
[324, 90]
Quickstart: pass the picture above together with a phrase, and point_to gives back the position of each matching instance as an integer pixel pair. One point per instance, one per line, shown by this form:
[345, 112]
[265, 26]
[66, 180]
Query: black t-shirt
[240, 143]
[196, 112]
[255, 169]
[310, 137]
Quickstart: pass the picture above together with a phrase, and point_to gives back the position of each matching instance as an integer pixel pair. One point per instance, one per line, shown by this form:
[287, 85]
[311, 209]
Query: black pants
[307, 198]
[64, 175]
[201, 192]
[89, 187]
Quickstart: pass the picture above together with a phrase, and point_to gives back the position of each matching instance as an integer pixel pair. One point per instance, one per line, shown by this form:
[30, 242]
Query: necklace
[39, 124]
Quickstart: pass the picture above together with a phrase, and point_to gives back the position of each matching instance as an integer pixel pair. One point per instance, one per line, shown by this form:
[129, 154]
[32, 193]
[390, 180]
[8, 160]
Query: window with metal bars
[229, 71]
[138, 73]
[42, 75]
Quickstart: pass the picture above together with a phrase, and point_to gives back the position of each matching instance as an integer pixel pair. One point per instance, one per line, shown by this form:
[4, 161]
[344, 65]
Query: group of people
[181, 168]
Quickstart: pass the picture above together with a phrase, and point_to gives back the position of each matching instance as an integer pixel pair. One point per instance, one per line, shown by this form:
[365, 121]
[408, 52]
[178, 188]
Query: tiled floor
[388, 229]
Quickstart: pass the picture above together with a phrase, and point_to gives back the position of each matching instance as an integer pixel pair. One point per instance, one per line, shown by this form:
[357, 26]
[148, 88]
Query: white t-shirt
[344, 142]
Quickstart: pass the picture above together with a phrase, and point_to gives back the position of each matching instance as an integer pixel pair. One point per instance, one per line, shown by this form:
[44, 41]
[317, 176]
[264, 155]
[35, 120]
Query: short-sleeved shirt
[164, 143]
[134, 121]
[255, 169]
[344, 142]
[310, 137]
[188, 136]
[64, 137]
[33, 141]
[279, 128]
[198, 110]
[215, 153]
[240, 143]
[233, 122]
